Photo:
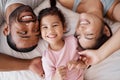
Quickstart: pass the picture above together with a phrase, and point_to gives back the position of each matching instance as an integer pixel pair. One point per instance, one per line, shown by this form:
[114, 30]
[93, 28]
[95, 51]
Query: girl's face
[52, 29]
[88, 30]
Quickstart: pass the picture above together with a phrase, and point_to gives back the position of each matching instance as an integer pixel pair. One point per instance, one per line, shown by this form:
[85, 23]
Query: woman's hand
[89, 57]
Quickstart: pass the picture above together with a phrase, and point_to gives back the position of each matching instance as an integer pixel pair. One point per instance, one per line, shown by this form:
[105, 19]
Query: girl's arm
[95, 56]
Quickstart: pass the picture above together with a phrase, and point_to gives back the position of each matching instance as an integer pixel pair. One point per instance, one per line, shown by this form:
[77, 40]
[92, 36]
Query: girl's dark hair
[53, 10]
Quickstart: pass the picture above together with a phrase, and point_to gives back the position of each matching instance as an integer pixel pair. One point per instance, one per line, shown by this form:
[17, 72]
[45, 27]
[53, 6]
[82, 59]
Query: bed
[109, 69]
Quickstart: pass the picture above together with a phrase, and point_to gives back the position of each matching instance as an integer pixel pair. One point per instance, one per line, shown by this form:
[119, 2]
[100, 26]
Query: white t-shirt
[5, 3]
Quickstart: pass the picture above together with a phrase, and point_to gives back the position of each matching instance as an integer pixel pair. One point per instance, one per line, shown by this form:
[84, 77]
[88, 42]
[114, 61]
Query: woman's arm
[103, 52]
[110, 46]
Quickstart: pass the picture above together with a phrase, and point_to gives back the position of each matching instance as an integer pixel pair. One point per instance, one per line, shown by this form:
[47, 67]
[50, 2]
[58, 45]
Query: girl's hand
[76, 64]
[60, 73]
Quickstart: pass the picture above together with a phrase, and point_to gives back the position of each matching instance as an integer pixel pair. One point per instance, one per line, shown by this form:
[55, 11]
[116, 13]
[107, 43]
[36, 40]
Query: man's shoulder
[31, 3]
[42, 45]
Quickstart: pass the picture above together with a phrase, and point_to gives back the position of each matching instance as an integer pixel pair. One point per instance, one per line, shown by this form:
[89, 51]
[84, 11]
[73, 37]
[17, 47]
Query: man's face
[89, 29]
[24, 27]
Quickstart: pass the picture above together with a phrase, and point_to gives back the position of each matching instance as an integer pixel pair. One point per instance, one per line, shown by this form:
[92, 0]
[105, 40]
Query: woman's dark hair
[53, 10]
[103, 37]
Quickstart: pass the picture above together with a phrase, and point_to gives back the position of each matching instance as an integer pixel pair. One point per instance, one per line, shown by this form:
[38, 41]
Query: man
[21, 24]
[22, 27]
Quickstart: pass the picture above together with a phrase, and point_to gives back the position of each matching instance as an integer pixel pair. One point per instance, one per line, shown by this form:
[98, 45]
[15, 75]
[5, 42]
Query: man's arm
[8, 63]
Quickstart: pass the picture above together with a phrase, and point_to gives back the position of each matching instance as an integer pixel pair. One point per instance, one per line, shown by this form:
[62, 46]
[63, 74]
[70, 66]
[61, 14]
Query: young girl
[61, 49]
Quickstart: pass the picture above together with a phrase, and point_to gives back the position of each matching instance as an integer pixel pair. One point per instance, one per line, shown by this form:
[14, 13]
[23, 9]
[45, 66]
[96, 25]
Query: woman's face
[88, 30]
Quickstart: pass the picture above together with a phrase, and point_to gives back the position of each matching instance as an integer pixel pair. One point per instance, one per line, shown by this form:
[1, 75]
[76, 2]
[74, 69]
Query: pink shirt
[53, 59]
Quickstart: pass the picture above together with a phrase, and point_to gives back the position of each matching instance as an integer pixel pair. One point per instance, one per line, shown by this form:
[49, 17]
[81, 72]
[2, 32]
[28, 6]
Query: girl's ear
[107, 31]
[6, 30]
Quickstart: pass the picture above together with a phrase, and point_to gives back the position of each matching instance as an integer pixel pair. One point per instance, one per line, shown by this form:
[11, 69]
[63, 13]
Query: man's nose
[31, 27]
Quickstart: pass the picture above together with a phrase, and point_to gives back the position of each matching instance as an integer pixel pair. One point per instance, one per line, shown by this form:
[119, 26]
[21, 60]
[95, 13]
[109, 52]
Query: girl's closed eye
[44, 27]
[55, 24]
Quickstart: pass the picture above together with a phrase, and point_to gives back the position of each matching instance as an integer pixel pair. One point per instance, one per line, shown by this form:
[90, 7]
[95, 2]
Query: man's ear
[6, 30]
[107, 31]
